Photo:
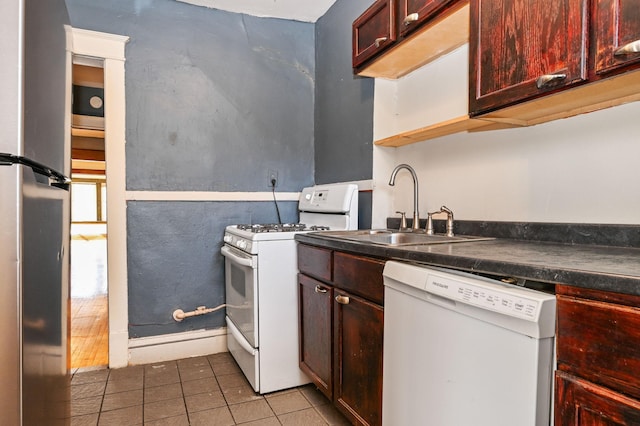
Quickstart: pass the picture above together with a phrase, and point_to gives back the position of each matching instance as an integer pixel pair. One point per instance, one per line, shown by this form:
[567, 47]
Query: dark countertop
[599, 267]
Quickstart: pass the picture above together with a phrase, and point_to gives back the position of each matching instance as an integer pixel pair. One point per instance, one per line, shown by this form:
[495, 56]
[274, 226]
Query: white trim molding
[169, 347]
[209, 196]
[111, 49]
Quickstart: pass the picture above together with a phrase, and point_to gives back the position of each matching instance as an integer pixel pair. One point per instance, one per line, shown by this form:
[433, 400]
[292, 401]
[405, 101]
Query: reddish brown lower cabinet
[582, 403]
[358, 329]
[341, 320]
[598, 355]
[315, 307]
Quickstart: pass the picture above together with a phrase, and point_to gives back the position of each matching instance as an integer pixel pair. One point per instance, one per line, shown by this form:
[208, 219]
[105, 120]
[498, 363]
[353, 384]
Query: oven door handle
[239, 337]
[238, 257]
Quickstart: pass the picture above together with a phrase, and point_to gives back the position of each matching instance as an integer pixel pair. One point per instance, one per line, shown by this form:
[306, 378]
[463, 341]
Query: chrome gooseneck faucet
[392, 181]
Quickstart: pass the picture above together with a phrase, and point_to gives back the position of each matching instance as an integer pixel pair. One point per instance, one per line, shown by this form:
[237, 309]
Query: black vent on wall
[88, 101]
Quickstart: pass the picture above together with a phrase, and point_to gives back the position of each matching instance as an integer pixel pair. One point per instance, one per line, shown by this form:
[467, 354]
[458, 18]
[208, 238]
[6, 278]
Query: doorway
[89, 285]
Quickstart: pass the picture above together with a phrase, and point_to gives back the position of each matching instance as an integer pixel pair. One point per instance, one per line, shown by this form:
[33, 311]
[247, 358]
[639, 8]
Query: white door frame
[111, 49]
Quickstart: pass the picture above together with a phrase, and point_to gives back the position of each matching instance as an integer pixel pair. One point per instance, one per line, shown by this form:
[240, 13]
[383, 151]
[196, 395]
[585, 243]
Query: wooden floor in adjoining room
[89, 332]
[89, 302]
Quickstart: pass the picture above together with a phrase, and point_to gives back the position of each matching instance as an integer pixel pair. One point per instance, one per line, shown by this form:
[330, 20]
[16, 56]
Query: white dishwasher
[464, 350]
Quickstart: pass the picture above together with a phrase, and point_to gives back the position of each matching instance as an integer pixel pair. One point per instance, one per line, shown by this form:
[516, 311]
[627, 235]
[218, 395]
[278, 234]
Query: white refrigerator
[34, 210]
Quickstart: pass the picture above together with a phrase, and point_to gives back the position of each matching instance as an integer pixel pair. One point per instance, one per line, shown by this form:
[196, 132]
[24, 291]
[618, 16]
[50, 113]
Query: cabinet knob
[320, 289]
[379, 41]
[628, 49]
[343, 300]
[411, 18]
[549, 80]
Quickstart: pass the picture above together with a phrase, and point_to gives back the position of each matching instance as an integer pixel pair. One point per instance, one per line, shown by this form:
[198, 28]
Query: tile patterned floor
[208, 391]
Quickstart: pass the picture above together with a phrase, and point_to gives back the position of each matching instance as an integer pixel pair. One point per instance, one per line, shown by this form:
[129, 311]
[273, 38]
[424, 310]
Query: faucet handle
[403, 220]
[449, 220]
[429, 228]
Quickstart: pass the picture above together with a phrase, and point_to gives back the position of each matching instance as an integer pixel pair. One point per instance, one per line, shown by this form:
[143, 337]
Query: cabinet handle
[343, 300]
[410, 19]
[628, 49]
[549, 80]
[379, 41]
[320, 289]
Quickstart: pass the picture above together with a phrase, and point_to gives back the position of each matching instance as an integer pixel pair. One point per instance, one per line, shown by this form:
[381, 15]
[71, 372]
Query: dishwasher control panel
[489, 295]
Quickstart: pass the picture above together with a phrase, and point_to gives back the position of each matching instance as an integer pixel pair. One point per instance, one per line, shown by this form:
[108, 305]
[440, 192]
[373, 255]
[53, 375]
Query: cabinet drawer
[359, 275]
[600, 341]
[314, 261]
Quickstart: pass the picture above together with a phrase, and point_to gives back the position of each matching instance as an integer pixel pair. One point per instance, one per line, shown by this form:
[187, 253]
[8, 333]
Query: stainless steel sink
[392, 238]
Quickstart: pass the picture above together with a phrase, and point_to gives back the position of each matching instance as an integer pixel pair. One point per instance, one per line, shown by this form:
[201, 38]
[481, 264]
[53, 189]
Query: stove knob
[242, 244]
[228, 238]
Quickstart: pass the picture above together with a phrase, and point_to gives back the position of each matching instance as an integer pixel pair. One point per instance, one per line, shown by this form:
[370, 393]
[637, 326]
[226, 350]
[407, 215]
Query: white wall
[584, 169]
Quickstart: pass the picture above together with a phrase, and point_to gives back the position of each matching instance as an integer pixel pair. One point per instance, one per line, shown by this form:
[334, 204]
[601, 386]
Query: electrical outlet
[272, 175]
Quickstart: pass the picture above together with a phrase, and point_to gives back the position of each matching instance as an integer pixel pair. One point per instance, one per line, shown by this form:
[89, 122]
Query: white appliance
[35, 151]
[463, 350]
[261, 286]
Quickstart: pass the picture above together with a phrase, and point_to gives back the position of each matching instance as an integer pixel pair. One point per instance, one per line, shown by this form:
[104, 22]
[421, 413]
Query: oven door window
[241, 283]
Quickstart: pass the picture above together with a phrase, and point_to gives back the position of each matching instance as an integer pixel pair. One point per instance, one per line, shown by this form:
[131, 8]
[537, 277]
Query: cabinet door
[520, 49]
[616, 34]
[412, 13]
[358, 328]
[374, 31]
[315, 332]
[581, 403]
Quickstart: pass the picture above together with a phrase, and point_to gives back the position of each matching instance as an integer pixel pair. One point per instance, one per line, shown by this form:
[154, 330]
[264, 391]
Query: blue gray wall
[344, 105]
[214, 101]
[344, 102]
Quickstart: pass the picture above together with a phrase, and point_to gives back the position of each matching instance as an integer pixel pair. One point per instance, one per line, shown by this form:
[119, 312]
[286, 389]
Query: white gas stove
[261, 268]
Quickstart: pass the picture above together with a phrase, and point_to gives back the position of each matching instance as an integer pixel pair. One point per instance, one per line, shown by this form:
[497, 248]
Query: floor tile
[167, 408]
[161, 393]
[314, 396]
[331, 415]
[169, 421]
[199, 361]
[231, 381]
[270, 421]
[131, 395]
[124, 416]
[114, 401]
[204, 401]
[134, 372]
[220, 416]
[193, 387]
[308, 417]
[241, 394]
[223, 368]
[162, 378]
[249, 411]
[94, 376]
[194, 373]
[86, 420]
[87, 390]
[288, 402]
[124, 385]
[82, 406]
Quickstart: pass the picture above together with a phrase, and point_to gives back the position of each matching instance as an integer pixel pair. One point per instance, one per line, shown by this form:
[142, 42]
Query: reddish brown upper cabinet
[521, 49]
[374, 31]
[598, 355]
[413, 13]
[616, 34]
